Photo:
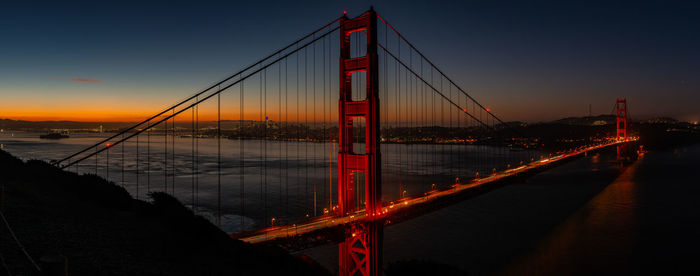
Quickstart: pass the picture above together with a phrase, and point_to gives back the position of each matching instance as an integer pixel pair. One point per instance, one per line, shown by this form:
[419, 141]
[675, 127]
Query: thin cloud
[85, 80]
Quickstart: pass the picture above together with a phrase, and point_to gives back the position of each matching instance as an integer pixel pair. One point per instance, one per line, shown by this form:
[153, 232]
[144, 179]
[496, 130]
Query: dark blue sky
[528, 61]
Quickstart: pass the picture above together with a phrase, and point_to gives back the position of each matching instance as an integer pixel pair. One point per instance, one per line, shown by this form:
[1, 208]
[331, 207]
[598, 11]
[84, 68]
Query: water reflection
[480, 235]
[597, 238]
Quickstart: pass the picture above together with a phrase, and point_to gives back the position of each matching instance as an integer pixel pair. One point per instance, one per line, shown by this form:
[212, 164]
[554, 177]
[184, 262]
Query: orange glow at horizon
[77, 116]
[118, 110]
[121, 116]
[112, 115]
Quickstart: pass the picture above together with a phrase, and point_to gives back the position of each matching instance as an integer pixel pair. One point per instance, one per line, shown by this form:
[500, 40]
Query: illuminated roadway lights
[379, 216]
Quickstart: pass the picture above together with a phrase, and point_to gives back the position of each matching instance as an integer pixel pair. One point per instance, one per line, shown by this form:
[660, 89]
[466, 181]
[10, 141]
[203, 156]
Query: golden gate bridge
[333, 136]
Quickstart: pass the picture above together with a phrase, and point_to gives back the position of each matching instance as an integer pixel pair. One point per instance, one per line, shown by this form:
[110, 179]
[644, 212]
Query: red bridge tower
[360, 252]
[621, 125]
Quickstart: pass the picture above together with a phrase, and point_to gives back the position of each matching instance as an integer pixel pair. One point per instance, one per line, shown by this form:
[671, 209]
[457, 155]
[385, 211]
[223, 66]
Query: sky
[528, 60]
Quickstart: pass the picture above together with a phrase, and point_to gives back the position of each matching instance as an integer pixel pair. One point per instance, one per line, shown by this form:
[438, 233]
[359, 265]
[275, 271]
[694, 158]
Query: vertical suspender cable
[330, 140]
[306, 123]
[314, 120]
[286, 143]
[424, 115]
[262, 172]
[165, 158]
[196, 153]
[298, 131]
[451, 137]
[137, 167]
[385, 91]
[192, 165]
[277, 133]
[458, 141]
[265, 141]
[122, 184]
[410, 113]
[323, 139]
[442, 124]
[218, 156]
[398, 118]
[241, 156]
[148, 158]
[435, 128]
[172, 156]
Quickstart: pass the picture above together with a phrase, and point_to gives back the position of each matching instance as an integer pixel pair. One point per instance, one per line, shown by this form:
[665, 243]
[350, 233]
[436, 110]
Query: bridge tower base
[360, 253]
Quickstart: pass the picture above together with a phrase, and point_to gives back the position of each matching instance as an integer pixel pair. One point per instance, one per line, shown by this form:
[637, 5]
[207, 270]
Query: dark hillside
[103, 231]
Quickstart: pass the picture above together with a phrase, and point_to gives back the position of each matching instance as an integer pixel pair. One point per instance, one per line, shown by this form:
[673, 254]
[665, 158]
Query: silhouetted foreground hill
[103, 231]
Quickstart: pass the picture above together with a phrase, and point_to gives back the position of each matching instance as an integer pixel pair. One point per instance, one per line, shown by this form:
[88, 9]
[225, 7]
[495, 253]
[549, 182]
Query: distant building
[599, 123]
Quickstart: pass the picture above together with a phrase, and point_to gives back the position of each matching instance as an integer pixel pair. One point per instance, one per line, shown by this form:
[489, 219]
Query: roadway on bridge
[393, 208]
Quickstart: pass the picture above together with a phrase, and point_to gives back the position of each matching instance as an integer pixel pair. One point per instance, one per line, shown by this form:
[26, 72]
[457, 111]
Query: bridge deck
[393, 209]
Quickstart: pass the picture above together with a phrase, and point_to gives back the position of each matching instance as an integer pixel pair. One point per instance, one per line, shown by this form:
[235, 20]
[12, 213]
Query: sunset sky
[122, 60]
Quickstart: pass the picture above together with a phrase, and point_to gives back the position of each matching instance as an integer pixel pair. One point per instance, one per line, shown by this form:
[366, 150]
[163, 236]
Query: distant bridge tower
[360, 253]
[621, 124]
